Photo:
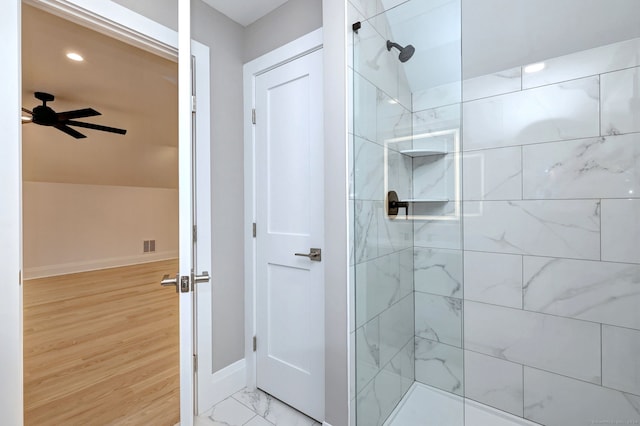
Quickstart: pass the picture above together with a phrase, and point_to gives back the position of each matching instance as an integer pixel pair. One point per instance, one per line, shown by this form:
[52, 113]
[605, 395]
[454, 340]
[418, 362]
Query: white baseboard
[97, 264]
[225, 382]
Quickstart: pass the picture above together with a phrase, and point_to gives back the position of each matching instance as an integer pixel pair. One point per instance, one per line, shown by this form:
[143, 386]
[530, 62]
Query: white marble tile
[587, 62]
[476, 414]
[559, 228]
[393, 234]
[493, 278]
[353, 15]
[365, 230]
[378, 399]
[492, 174]
[367, 8]
[499, 83]
[561, 111]
[427, 406]
[562, 345]
[368, 170]
[271, 409]
[258, 421]
[439, 365]
[438, 271]
[376, 64]
[375, 234]
[434, 177]
[439, 318]
[201, 420]
[620, 360]
[433, 97]
[602, 292]
[494, 382]
[621, 230]
[551, 399]
[230, 413]
[367, 352]
[399, 174]
[436, 126]
[606, 167]
[382, 282]
[396, 328]
[621, 101]
[442, 231]
[364, 108]
[393, 120]
[403, 365]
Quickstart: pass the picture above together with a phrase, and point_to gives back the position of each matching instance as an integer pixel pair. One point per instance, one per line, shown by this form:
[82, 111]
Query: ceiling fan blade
[78, 113]
[27, 111]
[95, 127]
[68, 130]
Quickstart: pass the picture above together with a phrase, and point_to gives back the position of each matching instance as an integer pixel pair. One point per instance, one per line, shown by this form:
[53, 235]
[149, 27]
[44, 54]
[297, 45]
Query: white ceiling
[245, 12]
[132, 88]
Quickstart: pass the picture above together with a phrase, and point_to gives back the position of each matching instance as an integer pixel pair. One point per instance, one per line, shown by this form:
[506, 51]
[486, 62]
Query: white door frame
[11, 401]
[287, 53]
[130, 27]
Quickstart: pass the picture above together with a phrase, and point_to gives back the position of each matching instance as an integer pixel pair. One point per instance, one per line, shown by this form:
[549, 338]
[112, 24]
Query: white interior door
[290, 220]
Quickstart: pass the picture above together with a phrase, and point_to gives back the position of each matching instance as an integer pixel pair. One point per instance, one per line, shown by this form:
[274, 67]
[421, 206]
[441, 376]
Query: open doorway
[100, 229]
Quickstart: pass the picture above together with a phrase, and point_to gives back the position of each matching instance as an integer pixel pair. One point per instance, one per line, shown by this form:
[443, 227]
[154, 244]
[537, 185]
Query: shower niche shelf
[423, 152]
[427, 200]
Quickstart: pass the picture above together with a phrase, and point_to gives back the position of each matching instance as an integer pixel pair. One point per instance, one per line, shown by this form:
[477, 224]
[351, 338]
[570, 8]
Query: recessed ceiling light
[534, 67]
[75, 57]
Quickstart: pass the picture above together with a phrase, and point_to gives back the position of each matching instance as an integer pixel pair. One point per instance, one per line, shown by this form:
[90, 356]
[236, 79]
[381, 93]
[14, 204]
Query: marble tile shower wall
[551, 188]
[382, 251]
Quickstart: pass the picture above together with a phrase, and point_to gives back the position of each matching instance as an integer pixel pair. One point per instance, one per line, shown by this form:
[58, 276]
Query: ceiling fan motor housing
[44, 115]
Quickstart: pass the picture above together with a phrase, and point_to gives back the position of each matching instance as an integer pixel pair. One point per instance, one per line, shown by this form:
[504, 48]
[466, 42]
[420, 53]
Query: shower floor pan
[427, 406]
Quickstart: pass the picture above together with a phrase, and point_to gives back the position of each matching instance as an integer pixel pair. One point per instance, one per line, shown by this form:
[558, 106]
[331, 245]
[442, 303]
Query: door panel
[289, 206]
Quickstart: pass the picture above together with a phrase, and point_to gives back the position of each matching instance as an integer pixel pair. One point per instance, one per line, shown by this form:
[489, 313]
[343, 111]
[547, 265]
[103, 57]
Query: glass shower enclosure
[495, 247]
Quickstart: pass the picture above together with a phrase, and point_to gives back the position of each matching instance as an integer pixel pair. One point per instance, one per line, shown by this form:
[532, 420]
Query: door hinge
[255, 230]
[255, 343]
[195, 363]
[253, 116]
[193, 103]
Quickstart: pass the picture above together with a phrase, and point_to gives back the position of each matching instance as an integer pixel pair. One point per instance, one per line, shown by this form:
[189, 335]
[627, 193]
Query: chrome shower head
[405, 52]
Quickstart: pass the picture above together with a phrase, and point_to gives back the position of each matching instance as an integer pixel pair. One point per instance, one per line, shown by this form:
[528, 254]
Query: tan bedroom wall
[73, 228]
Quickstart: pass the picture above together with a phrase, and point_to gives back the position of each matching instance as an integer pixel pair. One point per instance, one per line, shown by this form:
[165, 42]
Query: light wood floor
[101, 348]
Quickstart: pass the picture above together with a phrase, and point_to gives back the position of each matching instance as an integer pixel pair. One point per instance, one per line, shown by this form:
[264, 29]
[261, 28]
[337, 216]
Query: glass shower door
[405, 195]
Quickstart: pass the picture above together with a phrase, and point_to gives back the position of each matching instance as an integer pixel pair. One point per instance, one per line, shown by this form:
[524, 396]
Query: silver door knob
[167, 282]
[204, 278]
[314, 254]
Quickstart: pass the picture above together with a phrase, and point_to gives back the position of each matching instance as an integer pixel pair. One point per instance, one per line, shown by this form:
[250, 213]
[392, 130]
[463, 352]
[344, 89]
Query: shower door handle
[314, 254]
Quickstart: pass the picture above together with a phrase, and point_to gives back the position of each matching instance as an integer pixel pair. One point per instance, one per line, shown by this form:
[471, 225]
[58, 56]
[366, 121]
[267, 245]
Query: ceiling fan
[46, 116]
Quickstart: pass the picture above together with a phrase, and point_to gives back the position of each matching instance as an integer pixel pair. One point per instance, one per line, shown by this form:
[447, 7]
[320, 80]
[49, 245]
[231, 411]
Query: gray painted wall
[225, 40]
[224, 37]
[290, 21]
[231, 45]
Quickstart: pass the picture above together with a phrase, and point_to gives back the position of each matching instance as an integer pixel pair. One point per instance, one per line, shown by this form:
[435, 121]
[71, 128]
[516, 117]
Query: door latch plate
[184, 284]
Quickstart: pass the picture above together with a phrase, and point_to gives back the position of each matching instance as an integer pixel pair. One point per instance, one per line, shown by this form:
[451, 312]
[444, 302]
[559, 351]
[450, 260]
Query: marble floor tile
[253, 408]
[230, 413]
[273, 410]
[258, 421]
